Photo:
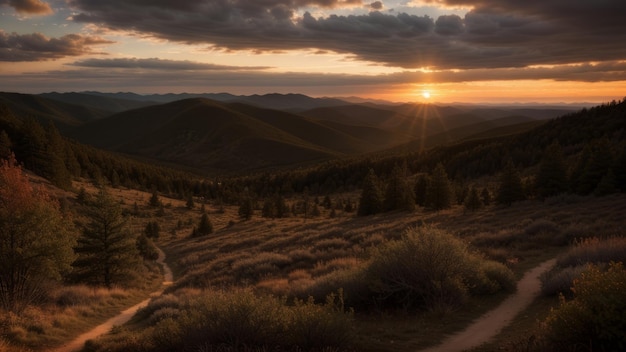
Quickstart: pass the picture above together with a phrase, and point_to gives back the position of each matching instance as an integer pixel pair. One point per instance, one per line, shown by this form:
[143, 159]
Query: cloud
[37, 47]
[35, 7]
[108, 78]
[160, 64]
[376, 5]
[494, 34]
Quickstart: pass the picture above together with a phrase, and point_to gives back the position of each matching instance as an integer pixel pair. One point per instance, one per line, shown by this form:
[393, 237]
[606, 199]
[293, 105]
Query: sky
[470, 51]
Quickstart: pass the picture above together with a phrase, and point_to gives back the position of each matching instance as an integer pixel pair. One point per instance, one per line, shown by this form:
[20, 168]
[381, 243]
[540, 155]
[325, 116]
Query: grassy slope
[292, 256]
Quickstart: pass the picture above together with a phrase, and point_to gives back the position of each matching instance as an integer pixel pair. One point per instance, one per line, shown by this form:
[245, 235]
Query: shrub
[595, 250]
[594, 319]
[429, 267]
[240, 320]
[560, 281]
[541, 226]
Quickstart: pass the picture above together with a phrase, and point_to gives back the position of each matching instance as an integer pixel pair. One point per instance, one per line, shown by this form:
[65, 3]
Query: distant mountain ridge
[292, 102]
[238, 133]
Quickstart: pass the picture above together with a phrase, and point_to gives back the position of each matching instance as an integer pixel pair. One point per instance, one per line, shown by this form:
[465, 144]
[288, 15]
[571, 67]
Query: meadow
[297, 259]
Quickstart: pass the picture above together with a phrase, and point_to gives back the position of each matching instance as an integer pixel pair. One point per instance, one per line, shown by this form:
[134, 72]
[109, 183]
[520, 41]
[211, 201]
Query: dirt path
[489, 325]
[123, 317]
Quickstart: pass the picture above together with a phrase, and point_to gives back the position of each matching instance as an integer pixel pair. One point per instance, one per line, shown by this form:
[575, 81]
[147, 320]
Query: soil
[78, 343]
[489, 325]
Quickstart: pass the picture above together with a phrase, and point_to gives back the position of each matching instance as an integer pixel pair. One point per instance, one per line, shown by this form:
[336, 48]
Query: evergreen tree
[551, 179]
[36, 239]
[399, 195]
[594, 164]
[421, 187]
[107, 253]
[190, 203]
[205, 226]
[6, 146]
[607, 185]
[620, 171]
[269, 209]
[152, 230]
[327, 202]
[55, 169]
[485, 196]
[371, 201]
[154, 200]
[82, 197]
[146, 248]
[511, 188]
[246, 209]
[439, 192]
[281, 207]
[473, 201]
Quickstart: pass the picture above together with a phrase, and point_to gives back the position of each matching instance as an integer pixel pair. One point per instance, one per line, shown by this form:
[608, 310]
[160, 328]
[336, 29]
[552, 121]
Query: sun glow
[426, 94]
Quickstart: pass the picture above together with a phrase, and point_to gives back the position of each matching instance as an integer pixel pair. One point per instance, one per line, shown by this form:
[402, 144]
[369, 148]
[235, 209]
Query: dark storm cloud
[160, 64]
[36, 7]
[37, 47]
[494, 34]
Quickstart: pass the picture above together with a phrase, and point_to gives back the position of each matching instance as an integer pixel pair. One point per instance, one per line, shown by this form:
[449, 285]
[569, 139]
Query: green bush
[594, 319]
[430, 268]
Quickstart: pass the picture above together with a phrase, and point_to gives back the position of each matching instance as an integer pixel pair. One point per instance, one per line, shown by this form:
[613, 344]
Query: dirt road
[123, 317]
[489, 325]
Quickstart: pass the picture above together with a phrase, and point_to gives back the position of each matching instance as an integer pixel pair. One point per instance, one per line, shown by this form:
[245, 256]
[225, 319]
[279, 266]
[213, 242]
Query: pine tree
[620, 171]
[107, 252]
[6, 146]
[269, 209]
[594, 164]
[485, 196]
[281, 208]
[551, 179]
[246, 209]
[439, 192]
[473, 202]
[55, 169]
[421, 187]
[190, 203]
[205, 226]
[152, 230]
[146, 248]
[371, 201]
[511, 188]
[607, 185]
[399, 195]
[154, 200]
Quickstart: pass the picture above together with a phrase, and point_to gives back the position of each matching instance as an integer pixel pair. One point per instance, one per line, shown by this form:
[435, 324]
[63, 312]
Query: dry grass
[68, 311]
[298, 257]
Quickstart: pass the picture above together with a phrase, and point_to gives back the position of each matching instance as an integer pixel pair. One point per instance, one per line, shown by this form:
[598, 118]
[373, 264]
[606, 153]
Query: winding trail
[489, 325]
[79, 342]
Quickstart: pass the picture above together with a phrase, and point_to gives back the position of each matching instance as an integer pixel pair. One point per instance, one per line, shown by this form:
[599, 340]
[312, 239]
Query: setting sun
[426, 94]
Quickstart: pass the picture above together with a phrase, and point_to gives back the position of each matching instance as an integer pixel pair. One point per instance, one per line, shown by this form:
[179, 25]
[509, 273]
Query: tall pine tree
[551, 179]
[439, 192]
[371, 201]
[510, 189]
[107, 253]
[399, 195]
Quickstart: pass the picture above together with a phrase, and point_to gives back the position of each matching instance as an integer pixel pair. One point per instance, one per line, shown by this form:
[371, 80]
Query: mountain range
[228, 133]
